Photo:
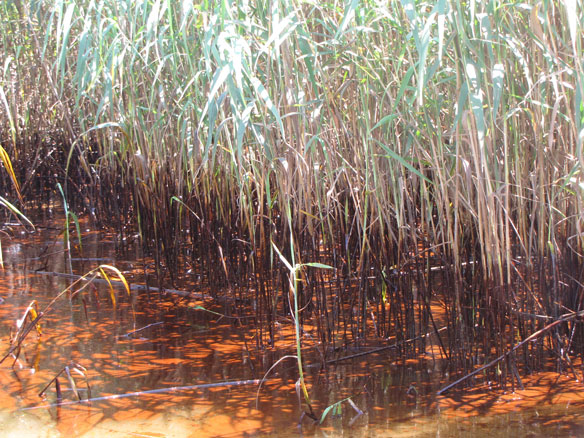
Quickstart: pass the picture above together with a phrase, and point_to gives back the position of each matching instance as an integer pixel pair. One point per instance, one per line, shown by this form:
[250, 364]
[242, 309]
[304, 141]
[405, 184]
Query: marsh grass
[401, 142]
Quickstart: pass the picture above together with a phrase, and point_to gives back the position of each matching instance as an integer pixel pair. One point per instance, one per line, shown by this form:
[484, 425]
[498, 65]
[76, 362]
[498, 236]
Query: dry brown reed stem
[563, 318]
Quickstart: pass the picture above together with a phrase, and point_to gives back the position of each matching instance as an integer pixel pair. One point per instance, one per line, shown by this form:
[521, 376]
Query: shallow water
[145, 343]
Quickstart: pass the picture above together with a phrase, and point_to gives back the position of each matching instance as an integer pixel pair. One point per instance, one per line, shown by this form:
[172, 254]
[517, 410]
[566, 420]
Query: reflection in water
[146, 345]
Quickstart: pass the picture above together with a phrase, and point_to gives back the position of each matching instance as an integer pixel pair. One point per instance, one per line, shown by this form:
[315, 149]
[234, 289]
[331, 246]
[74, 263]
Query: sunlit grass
[437, 112]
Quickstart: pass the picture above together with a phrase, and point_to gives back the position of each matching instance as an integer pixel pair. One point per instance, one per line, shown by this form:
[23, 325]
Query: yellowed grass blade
[118, 274]
[32, 313]
[8, 166]
[111, 288]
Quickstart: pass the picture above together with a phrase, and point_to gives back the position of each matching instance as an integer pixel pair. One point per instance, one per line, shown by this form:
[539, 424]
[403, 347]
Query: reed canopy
[378, 137]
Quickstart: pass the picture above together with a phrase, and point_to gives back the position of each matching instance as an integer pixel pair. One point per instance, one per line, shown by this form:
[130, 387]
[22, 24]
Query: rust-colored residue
[150, 342]
[545, 388]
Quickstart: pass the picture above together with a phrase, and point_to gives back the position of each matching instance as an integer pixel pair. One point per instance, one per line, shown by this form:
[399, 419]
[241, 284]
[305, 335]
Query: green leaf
[476, 101]
[317, 265]
[327, 410]
[282, 258]
[263, 93]
[347, 17]
[392, 154]
[387, 119]
[14, 210]
[77, 228]
[498, 75]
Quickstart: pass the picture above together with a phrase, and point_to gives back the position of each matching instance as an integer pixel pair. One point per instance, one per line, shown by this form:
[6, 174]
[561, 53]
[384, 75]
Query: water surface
[147, 344]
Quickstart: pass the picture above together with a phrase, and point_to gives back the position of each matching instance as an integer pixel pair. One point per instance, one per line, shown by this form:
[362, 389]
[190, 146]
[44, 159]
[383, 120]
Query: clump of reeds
[389, 138]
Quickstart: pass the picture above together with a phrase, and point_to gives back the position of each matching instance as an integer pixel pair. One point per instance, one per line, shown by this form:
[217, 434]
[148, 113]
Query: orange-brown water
[147, 343]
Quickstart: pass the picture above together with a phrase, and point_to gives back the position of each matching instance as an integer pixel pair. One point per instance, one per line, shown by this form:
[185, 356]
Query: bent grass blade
[36, 316]
[336, 409]
[75, 367]
[118, 274]
[31, 313]
[5, 159]
[15, 210]
[293, 280]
